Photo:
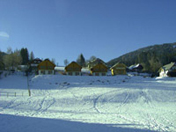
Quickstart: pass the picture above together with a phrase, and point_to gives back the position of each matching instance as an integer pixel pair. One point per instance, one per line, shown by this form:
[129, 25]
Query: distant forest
[151, 58]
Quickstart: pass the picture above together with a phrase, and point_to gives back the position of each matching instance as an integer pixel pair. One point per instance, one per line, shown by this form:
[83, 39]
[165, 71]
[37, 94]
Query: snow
[87, 103]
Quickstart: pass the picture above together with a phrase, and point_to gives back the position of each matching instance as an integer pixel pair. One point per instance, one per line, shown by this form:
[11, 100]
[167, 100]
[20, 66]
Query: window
[103, 74]
[49, 72]
[96, 74]
[42, 72]
[77, 73]
[70, 73]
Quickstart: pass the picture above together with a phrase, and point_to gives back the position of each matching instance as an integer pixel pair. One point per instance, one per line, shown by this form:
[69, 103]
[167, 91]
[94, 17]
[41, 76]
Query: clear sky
[63, 29]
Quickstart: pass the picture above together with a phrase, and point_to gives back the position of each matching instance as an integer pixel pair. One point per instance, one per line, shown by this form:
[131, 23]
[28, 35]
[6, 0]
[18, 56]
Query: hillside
[87, 103]
[151, 57]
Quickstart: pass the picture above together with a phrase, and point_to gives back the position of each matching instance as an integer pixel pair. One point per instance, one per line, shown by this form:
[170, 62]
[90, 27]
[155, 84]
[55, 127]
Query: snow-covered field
[87, 104]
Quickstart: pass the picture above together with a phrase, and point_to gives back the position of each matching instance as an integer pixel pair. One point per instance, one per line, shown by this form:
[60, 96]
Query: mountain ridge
[151, 57]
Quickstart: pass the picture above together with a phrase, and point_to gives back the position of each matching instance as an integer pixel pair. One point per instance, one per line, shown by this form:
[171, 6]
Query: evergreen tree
[25, 56]
[1, 61]
[31, 56]
[81, 60]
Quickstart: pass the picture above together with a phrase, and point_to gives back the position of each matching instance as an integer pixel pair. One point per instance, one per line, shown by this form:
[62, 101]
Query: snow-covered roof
[59, 68]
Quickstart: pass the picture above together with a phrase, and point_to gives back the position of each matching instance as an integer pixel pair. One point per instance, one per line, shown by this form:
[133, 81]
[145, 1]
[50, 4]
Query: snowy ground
[87, 104]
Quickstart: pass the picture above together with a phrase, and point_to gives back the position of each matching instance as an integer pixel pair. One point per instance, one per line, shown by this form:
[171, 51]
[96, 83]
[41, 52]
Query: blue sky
[63, 29]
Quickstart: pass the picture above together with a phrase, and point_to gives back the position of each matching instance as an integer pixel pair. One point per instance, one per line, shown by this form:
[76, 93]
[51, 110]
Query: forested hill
[152, 57]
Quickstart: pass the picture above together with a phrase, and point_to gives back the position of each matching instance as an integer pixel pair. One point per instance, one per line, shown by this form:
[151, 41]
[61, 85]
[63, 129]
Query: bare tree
[12, 59]
[53, 60]
[66, 62]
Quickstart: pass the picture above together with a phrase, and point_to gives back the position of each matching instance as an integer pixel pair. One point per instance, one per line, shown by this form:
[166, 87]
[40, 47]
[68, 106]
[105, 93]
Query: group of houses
[99, 69]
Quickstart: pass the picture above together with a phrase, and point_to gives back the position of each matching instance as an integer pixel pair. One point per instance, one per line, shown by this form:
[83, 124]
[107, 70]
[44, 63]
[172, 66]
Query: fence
[15, 94]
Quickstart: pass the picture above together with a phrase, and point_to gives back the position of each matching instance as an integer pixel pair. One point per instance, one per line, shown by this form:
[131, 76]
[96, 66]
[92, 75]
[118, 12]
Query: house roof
[137, 66]
[169, 66]
[46, 61]
[118, 65]
[35, 61]
[73, 64]
[99, 66]
[96, 61]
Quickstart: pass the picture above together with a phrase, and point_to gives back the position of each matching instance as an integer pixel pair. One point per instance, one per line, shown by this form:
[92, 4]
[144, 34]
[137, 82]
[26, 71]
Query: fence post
[29, 91]
[15, 94]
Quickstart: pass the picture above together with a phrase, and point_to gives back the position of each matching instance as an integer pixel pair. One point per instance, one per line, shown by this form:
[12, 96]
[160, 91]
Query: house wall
[74, 73]
[99, 70]
[46, 72]
[99, 73]
[118, 71]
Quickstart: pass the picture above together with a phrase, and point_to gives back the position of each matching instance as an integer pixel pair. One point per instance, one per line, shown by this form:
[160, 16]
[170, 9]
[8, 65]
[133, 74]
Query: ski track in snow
[102, 97]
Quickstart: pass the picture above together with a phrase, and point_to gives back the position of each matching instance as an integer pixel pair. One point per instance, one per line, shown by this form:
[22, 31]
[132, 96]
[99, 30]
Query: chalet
[46, 67]
[73, 69]
[168, 70]
[118, 69]
[32, 65]
[135, 68]
[95, 62]
[99, 69]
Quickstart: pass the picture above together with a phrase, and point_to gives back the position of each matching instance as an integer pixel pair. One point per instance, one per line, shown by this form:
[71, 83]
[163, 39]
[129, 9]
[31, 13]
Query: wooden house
[46, 67]
[73, 69]
[32, 65]
[135, 68]
[168, 70]
[95, 62]
[118, 69]
[99, 69]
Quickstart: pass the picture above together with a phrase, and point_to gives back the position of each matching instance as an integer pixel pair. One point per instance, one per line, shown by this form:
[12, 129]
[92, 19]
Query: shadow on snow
[27, 124]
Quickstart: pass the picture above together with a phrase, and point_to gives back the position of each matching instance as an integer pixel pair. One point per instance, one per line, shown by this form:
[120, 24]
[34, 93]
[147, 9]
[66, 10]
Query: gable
[73, 67]
[99, 68]
[118, 66]
[169, 66]
[46, 64]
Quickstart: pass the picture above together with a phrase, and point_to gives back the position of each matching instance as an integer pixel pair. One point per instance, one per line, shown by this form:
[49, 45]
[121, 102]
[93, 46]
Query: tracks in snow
[46, 103]
[100, 99]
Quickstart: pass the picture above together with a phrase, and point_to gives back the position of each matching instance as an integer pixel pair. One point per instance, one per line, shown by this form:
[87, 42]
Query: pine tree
[1, 61]
[31, 56]
[25, 56]
[81, 60]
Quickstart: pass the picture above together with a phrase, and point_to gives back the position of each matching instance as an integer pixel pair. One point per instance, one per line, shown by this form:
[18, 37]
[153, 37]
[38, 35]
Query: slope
[86, 103]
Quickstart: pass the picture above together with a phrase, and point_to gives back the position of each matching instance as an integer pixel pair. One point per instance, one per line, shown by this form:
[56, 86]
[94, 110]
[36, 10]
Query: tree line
[11, 59]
